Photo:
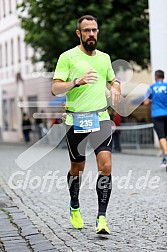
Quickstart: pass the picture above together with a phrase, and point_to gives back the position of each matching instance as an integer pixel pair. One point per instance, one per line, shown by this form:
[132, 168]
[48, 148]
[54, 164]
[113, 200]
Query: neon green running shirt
[88, 97]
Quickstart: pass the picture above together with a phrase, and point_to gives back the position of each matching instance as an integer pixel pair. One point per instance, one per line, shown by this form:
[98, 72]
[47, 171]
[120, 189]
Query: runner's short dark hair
[159, 74]
[88, 17]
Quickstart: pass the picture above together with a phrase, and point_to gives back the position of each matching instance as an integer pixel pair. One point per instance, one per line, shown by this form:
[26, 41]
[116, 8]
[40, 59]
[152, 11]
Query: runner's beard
[89, 47]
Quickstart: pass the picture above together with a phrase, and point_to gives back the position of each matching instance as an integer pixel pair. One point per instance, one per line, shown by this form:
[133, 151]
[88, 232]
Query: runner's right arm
[60, 86]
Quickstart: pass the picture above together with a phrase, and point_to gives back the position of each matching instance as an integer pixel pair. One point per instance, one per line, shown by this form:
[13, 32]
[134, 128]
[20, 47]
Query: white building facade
[158, 35]
[17, 79]
[158, 40]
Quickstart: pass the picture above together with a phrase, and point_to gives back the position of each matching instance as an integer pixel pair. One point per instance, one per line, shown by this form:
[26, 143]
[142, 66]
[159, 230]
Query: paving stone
[42, 247]
[137, 217]
[29, 231]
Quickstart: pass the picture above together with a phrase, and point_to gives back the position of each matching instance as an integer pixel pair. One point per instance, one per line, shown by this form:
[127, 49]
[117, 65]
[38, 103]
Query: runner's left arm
[115, 91]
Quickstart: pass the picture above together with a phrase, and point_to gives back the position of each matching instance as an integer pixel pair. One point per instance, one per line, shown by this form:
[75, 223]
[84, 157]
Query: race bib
[86, 122]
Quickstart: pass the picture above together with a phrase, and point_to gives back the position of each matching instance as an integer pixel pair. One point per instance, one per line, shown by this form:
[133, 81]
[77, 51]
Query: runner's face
[88, 34]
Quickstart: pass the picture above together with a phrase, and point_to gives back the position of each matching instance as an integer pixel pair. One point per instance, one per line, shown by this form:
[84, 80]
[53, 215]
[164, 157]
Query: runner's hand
[88, 78]
[115, 94]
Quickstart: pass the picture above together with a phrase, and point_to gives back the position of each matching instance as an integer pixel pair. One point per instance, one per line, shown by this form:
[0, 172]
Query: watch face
[117, 82]
[74, 82]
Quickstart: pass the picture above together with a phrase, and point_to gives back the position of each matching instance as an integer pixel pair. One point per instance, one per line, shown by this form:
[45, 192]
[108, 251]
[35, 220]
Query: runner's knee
[105, 168]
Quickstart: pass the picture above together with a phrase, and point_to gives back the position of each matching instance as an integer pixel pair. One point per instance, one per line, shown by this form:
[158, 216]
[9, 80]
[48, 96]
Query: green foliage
[50, 28]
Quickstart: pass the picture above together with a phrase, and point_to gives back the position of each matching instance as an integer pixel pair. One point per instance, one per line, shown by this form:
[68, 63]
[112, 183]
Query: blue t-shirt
[157, 93]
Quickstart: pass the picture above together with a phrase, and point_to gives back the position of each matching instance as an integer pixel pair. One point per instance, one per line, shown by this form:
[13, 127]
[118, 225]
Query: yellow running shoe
[101, 225]
[76, 218]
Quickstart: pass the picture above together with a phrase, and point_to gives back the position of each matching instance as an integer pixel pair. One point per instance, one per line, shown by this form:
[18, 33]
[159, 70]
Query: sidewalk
[17, 233]
[35, 215]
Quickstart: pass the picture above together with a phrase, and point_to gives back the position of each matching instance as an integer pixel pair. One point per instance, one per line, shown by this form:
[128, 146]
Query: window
[0, 56]
[12, 52]
[10, 7]
[5, 115]
[32, 109]
[19, 49]
[27, 69]
[6, 54]
[4, 8]
[13, 119]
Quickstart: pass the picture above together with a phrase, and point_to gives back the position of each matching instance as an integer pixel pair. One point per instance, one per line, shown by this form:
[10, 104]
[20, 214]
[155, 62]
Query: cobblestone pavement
[35, 215]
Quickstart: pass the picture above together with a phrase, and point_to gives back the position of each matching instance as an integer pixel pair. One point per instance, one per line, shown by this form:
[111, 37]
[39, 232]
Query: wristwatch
[117, 82]
[74, 82]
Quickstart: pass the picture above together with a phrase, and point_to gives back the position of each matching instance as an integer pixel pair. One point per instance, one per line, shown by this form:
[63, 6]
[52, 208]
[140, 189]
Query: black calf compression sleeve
[103, 189]
[74, 186]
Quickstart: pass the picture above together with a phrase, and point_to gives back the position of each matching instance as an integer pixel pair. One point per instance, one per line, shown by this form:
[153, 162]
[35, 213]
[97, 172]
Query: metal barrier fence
[136, 136]
[131, 136]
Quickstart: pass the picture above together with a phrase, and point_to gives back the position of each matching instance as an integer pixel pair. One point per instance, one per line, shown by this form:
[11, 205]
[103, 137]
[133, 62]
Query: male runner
[82, 72]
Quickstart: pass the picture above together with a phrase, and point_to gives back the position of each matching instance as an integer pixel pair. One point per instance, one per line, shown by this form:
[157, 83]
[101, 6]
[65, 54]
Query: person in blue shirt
[157, 96]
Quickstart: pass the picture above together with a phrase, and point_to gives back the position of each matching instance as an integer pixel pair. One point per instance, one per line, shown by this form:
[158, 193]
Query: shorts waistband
[97, 111]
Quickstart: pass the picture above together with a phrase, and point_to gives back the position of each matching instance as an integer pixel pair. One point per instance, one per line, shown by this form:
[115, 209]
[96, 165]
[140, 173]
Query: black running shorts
[100, 141]
[160, 126]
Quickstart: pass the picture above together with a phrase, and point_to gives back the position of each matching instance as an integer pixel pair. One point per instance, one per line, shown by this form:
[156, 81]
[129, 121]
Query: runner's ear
[78, 33]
